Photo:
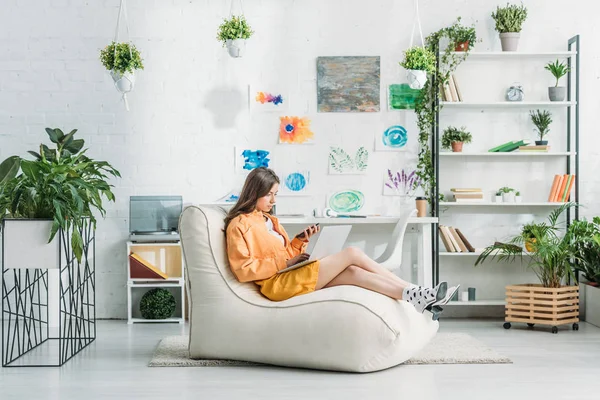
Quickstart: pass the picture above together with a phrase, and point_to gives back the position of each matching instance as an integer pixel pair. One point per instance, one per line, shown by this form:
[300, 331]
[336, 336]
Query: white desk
[421, 226]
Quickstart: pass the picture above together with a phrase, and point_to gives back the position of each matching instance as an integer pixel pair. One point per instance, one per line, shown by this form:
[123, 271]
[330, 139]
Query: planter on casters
[557, 93]
[510, 41]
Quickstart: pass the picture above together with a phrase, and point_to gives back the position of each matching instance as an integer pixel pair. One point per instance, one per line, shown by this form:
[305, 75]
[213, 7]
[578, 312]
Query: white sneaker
[451, 291]
[422, 298]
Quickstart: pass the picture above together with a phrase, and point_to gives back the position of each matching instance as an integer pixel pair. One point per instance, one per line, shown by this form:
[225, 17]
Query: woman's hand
[308, 232]
[297, 259]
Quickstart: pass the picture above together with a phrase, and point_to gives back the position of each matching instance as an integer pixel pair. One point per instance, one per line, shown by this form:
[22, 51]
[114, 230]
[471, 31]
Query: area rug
[445, 348]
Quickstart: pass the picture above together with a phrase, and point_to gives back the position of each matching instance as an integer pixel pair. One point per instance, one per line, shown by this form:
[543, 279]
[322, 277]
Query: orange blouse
[255, 254]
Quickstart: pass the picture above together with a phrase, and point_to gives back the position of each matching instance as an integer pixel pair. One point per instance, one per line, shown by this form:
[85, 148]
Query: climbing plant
[426, 106]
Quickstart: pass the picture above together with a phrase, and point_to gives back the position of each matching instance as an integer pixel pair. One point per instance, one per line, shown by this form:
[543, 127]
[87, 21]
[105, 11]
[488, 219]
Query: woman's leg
[357, 276]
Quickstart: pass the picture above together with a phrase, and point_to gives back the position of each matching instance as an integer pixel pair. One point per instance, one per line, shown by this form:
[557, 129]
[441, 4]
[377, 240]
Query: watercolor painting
[265, 99]
[343, 163]
[295, 130]
[348, 84]
[394, 138]
[248, 159]
[296, 183]
[400, 183]
[346, 201]
[402, 97]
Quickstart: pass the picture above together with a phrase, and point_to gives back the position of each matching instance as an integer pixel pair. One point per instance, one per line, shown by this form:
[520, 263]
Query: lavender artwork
[400, 183]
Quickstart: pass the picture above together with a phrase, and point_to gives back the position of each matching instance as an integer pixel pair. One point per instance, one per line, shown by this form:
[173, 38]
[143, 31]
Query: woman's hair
[258, 184]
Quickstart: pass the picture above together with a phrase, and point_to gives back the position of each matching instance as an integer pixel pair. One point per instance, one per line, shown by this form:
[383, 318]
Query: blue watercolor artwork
[395, 137]
[255, 159]
[295, 182]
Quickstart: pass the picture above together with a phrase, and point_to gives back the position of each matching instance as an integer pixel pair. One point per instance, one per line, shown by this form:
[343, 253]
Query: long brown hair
[258, 184]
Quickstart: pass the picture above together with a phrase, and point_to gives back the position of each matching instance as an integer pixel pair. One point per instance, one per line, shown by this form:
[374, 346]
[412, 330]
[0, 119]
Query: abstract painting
[264, 99]
[346, 201]
[343, 163]
[295, 130]
[402, 97]
[348, 84]
[393, 138]
[248, 159]
[296, 183]
[400, 183]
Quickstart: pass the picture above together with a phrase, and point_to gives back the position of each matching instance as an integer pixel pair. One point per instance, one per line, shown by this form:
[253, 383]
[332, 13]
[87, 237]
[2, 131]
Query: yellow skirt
[284, 286]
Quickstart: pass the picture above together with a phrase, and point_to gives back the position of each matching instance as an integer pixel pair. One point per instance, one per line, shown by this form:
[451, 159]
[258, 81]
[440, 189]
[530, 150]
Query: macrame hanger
[123, 13]
[231, 8]
[416, 22]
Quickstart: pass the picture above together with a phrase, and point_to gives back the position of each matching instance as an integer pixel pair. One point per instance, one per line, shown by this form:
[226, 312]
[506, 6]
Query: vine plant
[426, 106]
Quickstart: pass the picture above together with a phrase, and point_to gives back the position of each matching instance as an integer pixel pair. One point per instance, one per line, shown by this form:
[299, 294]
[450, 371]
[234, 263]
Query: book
[553, 188]
[563, 186]
[512, 147]
[447, 93]
[141, 268]
[465, 241]
[452, 88]
[452, 240]
[495, 149]
[534, 148]
[568, 186]
[557, 189]
[571, 184]
[460, 190]
[462, 246]
[460, 98]
[474, 195]
[447, 244]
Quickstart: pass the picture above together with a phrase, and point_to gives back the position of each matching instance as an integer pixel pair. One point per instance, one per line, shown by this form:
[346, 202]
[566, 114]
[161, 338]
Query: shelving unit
[571, 155]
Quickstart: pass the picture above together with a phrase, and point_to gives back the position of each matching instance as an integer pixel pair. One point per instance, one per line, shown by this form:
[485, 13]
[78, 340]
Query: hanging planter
[233, 33]
[418, 60]
[122, 59]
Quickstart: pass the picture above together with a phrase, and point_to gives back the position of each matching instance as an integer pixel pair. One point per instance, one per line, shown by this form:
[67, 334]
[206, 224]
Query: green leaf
[30, 169]
[362, 159]
[9, 169]
[53, 135]
[339, 160]
[77, 243]
[75, 146]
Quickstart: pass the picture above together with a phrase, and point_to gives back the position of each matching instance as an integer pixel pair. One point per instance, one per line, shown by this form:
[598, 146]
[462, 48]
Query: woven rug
[445, 348]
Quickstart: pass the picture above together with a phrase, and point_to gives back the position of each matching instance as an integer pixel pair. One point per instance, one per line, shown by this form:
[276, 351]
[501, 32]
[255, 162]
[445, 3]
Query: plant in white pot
[498, 197]
[418, 62]
[233, 33]
[122, 60]
[508, 194]
[509, 22]
[558, 69]
[542, 121]
[455, 138]
[518, 197]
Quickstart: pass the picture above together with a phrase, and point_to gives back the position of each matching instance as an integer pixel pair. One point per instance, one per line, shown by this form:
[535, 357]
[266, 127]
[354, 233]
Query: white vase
[236, 47]
[416, 78]
[510, 41]
[508, 197]
[124, 82]
[518, 199]
[498, 199]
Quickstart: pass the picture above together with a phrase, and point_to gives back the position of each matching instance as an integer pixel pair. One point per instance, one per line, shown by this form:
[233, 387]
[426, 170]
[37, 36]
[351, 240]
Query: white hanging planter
[124, 82]
[236, 47]
[416, 78]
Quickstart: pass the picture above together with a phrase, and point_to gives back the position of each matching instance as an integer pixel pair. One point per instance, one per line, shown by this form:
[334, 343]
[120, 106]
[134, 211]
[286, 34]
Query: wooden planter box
[534, 304]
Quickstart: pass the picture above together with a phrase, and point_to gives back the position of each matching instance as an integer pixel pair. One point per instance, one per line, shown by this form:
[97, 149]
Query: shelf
[492, 204]
[478, 303]
[509, 154]
[157, 283]
[178, 320]
[506, 104]
[516, 54]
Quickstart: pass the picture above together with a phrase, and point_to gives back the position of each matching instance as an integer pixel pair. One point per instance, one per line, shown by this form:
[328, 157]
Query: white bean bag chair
[343, 328]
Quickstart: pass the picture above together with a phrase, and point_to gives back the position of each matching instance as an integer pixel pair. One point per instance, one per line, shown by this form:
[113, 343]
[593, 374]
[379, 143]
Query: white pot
[26, 244]
[510, 41]
[498, 199]
[236, 48]
[518, 199]
[124, 82]
[416, 78]
[508, 197]
[592, 305]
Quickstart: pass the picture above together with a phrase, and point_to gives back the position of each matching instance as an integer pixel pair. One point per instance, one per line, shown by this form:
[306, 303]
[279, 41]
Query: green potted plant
[61, 187]
[509, 21]
[528, 234]
[418, 61]
[551, 256]
[498, 197]
[508, 194]
[558, 70]
[518, 197]
[233, 33]
[461, 36]
[455, 137]
[122, 60]
[542, 121]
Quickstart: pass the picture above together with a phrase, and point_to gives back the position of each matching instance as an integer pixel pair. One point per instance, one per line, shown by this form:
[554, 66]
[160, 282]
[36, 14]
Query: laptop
[329, 240]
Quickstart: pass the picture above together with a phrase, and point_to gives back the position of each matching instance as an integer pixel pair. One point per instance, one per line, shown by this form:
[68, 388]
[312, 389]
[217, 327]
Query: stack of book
[450, 91]
[561, 188]
[509, 146]
[454, 240]
[462, 195]
[541, 148]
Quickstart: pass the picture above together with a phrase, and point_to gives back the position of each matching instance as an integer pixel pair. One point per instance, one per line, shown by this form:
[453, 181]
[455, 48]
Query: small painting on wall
[295, 130]
[348, 84]
[400, 183]
[296, 183]
[402, 97]
[345, 163]
[247, 159]
[346, 201]
[394, 138]
[264, 99]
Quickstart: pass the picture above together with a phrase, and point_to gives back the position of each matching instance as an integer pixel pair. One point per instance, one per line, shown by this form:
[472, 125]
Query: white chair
[392, 255]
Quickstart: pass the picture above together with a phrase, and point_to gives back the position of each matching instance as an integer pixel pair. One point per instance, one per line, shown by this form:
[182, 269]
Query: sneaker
[451, 291]
[422, 298]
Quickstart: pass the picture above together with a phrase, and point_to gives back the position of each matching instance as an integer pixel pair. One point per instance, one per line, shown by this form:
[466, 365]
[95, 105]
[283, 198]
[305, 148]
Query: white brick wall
[187, 111]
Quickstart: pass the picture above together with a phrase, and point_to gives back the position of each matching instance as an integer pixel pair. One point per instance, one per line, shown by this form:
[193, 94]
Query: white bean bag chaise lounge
[343, 328]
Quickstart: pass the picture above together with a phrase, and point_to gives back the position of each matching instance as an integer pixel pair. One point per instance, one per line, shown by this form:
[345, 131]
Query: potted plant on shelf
[498, 197]
[508, 194]
[233, 33]
[455, 138]
[122, 60]
[552, 302]
[418, 61]
[558, 69]
[462, 37]
[518, 197]
[509, 21]
[542, 121]
[585, 238]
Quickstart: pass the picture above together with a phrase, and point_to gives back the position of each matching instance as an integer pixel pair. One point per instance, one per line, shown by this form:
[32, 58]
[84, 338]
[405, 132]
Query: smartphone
[301, 235]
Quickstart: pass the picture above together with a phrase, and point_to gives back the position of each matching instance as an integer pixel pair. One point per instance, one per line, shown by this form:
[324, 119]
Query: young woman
[258, 247]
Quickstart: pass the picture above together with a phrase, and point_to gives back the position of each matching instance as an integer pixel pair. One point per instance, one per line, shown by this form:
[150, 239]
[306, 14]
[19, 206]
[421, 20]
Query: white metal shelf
[478, 303]
[509, 154]
[492, 204]
[506, 104]
[516, 54]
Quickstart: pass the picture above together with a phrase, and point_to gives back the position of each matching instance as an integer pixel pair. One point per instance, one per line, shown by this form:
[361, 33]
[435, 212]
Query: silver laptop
[329, 240]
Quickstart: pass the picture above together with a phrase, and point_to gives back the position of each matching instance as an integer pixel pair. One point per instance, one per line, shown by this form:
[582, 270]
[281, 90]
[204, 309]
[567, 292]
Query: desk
[421, 226]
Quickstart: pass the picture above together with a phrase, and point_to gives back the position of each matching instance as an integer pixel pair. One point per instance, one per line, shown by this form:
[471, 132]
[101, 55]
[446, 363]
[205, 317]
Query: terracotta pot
[457, 147]
[461, 46]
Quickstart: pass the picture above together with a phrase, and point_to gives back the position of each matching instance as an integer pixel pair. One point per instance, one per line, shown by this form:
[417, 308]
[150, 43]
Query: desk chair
[392, 255]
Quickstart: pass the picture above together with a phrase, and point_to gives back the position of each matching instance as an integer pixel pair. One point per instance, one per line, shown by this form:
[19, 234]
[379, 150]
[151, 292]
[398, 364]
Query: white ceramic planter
[236, 48]
[416, 78]
[124, 82]
[508, 197]
[518, 199]
[592, 305]
[510, 41]
[498, 199]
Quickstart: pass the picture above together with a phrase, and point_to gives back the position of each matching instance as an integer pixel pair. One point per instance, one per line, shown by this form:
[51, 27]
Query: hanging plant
[233, 33]
[418, 61]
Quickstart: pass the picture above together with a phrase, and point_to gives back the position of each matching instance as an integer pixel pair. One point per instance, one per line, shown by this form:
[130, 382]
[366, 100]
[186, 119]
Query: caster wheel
[507, 325]
[529, 324]
[575, 326]
[554, 329]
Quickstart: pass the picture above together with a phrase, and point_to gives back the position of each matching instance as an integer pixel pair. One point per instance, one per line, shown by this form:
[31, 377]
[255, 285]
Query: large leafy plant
[584, 237]
[121, 57]
[418, 58]
[551, 254]
[61, 184]
[510, 18]
[233, 28]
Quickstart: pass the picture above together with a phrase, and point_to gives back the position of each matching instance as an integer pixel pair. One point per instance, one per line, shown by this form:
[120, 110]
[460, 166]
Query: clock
[515, 93]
